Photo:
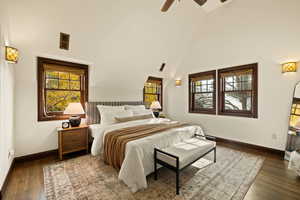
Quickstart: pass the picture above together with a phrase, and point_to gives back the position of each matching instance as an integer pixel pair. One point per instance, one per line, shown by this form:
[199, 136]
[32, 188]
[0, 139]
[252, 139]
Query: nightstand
[72, 139]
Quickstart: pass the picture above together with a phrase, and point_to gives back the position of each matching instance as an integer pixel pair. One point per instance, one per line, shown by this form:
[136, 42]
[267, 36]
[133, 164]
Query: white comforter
[138, 162]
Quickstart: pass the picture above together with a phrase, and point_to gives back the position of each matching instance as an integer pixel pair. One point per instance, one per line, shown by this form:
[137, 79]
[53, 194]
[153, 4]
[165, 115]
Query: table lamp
[155, 106]
[75, 110]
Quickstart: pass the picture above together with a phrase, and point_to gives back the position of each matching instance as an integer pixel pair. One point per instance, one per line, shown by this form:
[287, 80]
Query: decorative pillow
[108, 117]
[138, 107]
[102, 108]
[133, 118]
[143, 112]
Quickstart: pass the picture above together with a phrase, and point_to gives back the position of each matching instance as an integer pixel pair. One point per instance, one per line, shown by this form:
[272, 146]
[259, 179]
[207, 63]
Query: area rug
[88, 178]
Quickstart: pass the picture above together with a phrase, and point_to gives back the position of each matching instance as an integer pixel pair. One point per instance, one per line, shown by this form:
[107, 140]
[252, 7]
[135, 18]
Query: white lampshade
[297, 125]
[74, 109]
[155, 105]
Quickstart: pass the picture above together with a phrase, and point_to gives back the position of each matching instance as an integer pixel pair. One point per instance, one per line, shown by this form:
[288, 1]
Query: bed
[138, 156]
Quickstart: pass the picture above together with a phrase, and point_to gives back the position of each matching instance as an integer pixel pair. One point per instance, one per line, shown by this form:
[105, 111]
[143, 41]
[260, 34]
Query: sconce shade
[11, 54]
[289, 67]
[177, 83]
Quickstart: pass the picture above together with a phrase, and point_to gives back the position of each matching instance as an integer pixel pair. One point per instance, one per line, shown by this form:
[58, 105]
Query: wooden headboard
[93, 115]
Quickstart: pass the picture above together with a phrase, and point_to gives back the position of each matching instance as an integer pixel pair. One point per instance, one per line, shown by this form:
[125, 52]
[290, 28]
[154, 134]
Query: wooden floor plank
[274, 181]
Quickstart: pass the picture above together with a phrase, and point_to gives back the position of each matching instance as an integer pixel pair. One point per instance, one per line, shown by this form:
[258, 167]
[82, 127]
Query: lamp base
[75, 121]
[156, 114]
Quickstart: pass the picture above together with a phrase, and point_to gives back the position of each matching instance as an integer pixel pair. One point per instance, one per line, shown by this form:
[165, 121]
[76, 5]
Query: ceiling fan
[168, 4]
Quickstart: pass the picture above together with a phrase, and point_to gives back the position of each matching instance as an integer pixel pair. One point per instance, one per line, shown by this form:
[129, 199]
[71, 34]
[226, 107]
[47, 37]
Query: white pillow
[102, 108]
[143, 112]
[108, 117]
[138, 107]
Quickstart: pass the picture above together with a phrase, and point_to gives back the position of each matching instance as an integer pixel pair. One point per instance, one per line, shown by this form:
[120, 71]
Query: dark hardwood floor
[274, 181]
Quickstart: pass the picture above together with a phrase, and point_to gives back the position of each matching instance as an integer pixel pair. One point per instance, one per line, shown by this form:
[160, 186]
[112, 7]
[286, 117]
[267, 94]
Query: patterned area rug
[88, 178]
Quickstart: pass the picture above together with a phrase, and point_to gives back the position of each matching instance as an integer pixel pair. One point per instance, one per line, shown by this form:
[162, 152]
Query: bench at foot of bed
[179, 156]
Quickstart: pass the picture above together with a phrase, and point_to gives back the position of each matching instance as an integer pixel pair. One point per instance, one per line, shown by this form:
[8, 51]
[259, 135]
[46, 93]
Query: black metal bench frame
[177, 168]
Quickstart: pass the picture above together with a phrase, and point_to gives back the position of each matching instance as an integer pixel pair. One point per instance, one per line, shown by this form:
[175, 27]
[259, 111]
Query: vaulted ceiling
[123, 41]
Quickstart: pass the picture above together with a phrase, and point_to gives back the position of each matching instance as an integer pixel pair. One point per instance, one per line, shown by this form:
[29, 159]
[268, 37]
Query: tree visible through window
[153, 91]
[238, 91]
[202, 92]
[61, 89]
[60, 83]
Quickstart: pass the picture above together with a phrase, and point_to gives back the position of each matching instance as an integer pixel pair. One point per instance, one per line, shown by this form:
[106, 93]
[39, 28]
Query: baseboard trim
[4, 186]
[252, 146]
[36, 156]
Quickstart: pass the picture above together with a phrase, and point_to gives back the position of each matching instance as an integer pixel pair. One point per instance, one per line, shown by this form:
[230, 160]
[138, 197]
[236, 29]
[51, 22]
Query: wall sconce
[11, 54]
[289, 67]
[178, 83]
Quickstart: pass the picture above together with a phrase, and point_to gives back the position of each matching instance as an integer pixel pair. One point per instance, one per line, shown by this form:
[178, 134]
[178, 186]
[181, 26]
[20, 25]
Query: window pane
[152, 88]
[203, 88]
[203, 101]
[74, 77]
[210, 88]
[238, 101]
[52, 83]
[149, 98]
[238, 82]
[293, 120]
[57, 101]
[64, 75]
[75, 85]
[63, 84]
[51, 74]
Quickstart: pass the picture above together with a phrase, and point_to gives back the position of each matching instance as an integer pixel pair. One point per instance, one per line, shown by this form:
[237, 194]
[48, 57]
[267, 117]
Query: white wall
[125, 41]
[245, 32]
[122, 41]
[6, 101]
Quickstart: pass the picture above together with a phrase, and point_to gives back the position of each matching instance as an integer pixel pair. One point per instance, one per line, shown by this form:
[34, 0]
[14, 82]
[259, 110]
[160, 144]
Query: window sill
[56, 118]
[202, 112]
[246, 115]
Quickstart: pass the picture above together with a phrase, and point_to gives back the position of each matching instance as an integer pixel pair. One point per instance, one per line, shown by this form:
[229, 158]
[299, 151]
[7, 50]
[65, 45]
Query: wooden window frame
[191, 99]
[254, 105]
[42, 115]
[161, 93]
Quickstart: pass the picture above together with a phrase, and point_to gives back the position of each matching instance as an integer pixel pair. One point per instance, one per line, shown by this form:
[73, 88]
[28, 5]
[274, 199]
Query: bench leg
[215, 155]
[155, 171]
[155, 166]
[177, 182]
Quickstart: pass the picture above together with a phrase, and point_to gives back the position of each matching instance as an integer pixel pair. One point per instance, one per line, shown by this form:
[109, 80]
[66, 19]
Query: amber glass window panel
[202, 92]
[153, 91]
[238, 91]
[60, 83]
[61, 90]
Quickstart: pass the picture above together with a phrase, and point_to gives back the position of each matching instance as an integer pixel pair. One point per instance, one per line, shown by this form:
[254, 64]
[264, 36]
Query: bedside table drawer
[74, 140]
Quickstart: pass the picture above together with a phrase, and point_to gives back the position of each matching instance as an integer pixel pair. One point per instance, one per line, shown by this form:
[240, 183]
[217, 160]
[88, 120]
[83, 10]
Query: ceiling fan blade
[223, 1]
[200, 2]
[167, 5]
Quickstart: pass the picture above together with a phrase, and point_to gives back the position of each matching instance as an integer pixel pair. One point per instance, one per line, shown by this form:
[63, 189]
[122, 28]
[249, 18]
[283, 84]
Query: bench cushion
[187, 151]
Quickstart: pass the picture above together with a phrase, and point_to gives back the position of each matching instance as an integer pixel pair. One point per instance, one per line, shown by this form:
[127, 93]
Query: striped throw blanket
[115, 141]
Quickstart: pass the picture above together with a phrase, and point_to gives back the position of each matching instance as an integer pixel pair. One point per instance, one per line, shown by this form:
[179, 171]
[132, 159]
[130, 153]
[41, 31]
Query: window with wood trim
[295, 112]
[60, 83]
[238, 91]
[202, 92]
[153, 91]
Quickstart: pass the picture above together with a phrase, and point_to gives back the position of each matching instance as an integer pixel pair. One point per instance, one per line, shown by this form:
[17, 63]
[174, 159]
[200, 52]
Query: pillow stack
[117, 114]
